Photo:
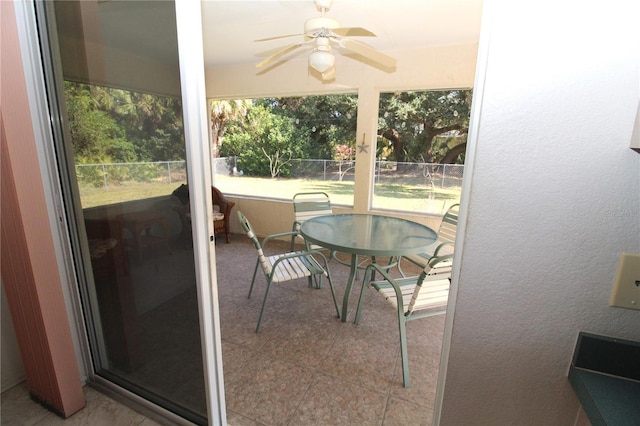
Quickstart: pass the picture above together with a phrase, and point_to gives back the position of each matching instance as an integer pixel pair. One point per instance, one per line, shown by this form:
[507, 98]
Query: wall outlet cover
[626, 288]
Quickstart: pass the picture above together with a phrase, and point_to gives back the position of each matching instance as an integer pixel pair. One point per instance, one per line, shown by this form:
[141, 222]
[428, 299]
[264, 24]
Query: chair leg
[317, 278]
[361, 300]
[253, 280]
[264, 302]
[402, 325]
[295, 228]
[333, 292]
[400, 267]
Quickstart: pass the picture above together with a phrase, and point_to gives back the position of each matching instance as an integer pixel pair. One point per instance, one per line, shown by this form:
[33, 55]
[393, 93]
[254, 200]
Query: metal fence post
[104, 177]
[444, 172]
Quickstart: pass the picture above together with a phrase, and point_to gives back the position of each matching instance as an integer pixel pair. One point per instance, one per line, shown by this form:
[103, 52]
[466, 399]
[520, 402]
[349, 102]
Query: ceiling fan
[324, 34]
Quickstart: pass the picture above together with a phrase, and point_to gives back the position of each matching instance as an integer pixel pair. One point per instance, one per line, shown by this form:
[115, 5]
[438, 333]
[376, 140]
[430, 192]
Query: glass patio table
[367, 235]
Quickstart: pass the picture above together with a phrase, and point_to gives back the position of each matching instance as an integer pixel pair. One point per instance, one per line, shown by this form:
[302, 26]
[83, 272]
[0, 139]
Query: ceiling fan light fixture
[321, 60]
[326, 32]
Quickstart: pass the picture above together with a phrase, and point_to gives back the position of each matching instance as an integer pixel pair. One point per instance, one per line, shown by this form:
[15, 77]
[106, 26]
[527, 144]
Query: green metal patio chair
[286, 266]
[445, 244]
[307, 205]
[412, 297]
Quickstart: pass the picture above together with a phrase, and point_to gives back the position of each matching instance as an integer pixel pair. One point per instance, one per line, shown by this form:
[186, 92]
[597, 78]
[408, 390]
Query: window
[291, 144]
[422, 139]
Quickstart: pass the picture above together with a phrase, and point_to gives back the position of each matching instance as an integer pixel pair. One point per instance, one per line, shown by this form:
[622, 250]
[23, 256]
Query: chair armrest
[393, 282]
[440, 246]
[436, 260]
[384, 271]
[226, 206]
[301, 254]
[218, 199]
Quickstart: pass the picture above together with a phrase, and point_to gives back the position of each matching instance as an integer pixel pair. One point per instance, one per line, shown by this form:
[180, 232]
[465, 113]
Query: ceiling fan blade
[352, 32]
[278, 54]
[279, 37]
[368, 52]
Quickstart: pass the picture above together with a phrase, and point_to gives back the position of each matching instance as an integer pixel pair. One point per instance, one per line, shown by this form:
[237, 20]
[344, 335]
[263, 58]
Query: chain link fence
[386, 172]
[109, 175]
[419, 187]
[443, 176]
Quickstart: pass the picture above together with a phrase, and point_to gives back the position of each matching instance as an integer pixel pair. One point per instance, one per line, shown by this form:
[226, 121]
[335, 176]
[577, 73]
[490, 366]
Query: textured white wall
[554, 199]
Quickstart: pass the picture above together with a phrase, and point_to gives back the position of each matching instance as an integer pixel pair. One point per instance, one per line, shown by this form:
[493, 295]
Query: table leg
[350, 281]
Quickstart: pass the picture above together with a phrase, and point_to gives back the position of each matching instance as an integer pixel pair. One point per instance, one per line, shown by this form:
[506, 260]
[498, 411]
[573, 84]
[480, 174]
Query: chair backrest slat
[433, 291]
[390, 295]
[307, 205]
[264, 262]
[433, 295]
[449, 225]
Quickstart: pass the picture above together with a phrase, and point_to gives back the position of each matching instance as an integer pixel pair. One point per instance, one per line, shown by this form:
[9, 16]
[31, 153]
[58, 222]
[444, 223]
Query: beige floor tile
[19, 409]
[403, 413]
[330, 401]
[267, 390]
[305, 366]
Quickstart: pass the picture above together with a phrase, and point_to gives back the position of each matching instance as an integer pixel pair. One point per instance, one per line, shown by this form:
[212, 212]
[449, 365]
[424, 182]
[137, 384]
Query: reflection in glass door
[123, 150]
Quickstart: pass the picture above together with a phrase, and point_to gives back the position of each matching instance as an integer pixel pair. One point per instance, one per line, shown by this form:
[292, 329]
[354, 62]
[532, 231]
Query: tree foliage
[114, 125]
[221, 113]
[320, 122]
[428, 126]
[264, 143]
[95, 135]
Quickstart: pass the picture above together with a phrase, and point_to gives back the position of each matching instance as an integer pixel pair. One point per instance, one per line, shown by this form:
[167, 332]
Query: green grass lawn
[93, 197]
[406, 196]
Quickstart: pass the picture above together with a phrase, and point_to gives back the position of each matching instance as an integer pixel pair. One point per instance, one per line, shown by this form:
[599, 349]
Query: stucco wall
[281, 216]
[554, 200]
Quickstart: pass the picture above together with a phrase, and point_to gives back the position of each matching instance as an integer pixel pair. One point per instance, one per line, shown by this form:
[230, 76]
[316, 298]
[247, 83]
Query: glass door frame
[46, 121]
[194, 101]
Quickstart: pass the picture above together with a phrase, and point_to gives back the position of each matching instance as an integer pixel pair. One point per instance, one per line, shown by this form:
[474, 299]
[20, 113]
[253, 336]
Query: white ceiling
[231, 27]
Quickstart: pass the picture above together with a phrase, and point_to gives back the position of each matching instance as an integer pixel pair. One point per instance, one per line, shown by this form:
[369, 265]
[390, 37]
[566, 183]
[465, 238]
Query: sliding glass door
[129, 181]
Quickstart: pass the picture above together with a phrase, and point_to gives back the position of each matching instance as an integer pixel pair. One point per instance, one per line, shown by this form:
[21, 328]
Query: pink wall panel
[29, 269]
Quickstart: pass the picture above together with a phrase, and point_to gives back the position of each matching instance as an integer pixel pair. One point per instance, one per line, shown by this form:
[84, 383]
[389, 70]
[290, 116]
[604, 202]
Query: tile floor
[304, 367]
[18, 409]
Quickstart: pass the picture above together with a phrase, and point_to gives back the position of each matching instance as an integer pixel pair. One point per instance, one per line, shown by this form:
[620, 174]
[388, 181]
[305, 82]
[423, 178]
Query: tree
[153, 124]
[321, 122]
[114, 125]
[221, 113]
[344, 154]
[263, 142]
[428, 126]
[95, 136]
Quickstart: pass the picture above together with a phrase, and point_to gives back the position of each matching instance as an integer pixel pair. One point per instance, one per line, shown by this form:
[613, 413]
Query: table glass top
[368, 234]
